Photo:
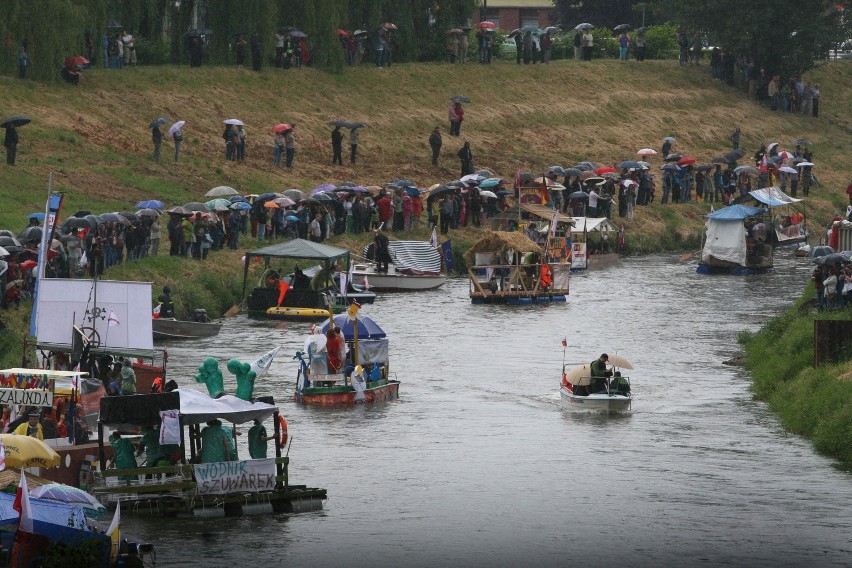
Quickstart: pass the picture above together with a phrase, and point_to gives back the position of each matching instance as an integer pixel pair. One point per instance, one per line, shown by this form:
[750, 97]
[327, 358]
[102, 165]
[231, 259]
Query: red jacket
[385, 208]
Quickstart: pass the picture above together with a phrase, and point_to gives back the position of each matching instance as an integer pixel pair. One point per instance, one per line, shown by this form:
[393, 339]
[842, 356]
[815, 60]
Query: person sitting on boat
[375, 373]
[150, 444]
[114, 388]
[214, 443]
[300, 280]
[336, 349]
[30, 428]
[167, 307]
[619, 385]
[599, 374]
[128, 377]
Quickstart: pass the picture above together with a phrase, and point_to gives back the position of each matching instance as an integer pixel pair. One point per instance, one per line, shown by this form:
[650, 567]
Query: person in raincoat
[466, 157]
[177, 136]
[337, 146]
[435, 142]
[257, 439]
[124, 454]
[128, 377]
[150, 444]
[354, 139]
[214, 443]
[11, 143]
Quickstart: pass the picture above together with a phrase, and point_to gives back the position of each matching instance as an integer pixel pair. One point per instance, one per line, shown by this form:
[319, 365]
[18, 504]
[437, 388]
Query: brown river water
[479, 464]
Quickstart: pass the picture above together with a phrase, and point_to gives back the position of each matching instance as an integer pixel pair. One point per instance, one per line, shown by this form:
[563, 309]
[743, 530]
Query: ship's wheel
[92, 336]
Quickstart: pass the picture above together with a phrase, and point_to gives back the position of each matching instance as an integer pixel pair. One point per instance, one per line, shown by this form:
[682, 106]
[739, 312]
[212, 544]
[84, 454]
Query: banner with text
[247, 476]
[27, 397]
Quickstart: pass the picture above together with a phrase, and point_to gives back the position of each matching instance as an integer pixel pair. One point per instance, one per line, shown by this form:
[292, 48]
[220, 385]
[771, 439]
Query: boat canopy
[773, 196]
[195, 407]
[367, 328]
[735, 213]
[527, 211]
[501, 241]
[414, 257]
[593, 225]
[297, 249]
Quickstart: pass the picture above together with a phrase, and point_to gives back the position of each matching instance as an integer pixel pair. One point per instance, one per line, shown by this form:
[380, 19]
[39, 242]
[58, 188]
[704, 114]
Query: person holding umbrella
[176, 131]
[240, 49]
[290, 145]
[10, 141]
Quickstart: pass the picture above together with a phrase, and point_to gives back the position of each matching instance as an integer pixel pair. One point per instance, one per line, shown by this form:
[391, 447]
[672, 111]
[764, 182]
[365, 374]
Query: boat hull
[600, 402]
[176, 329]
[297, 314]
[396, 282]
[345, 395]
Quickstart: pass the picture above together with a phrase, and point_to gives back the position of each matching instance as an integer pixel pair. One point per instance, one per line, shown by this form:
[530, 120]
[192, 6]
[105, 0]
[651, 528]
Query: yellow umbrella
[25, 451]
[580, 375]
[619, 361]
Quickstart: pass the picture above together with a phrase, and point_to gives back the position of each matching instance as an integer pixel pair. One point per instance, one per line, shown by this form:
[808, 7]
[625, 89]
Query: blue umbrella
[240, 205]
[235, 198]
[671, 168]
[490, 182]
[150, 204]
[38, 215]
[367, 328]
[265, 196]
[292, 218]
[412, 191]
[629, 164]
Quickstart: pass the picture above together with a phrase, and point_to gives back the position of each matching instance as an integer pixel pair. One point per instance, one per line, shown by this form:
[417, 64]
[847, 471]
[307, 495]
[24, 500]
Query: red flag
[22, 505]
[564, 342]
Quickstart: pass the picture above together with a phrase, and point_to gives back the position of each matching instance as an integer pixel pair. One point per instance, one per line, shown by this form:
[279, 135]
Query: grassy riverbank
[812, 402]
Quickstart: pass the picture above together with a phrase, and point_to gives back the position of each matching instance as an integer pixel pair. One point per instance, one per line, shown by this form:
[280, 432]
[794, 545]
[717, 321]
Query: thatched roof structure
[11, 477]
[501, 241]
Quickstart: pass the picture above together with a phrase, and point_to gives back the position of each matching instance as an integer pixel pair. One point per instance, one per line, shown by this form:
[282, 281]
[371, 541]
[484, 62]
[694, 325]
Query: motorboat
[615, 398]
[414, 266]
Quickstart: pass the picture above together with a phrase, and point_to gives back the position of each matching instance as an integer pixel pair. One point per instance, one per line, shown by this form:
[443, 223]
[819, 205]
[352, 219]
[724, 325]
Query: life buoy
[283, 425]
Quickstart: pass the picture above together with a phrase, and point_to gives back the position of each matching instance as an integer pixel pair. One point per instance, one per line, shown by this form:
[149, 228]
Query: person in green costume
[124, 454]
[257, 440]
[245, 378]
[214, 443]
[232, 442]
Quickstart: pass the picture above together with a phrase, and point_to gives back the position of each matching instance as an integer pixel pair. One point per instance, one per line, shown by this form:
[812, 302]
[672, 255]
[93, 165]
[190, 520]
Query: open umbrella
[787, 170]
[686, 161]
[558, 170]
[647, 152]
[821, 251]
[295, 194]
[178, 210]
[322, 196]
[30, 235]
[529, 29]
[26, 451]
[76, 60]
[195, 206]
[746, 170]
[271, 205]
[240, 206]
[113, 218]
[597, 180]
[720, 160]
[198, 32]
[585, 166]
[389, 26]
[159, 122]
[801, 142]
[673, 157]
[581, 375]
[629, 164]
[705, 168]
[606, 170]
[147, 212]
[14, 121]
[234, 121]
[150, 204]
[734, 155]
[486, 193]
[218, 204]
[583, 26]
[282, 127]
[66, 494]
[176, 126]
[221, 191]
[669, 139]
[454, 31]
[572, 172]
[552, 30]
[298, 33]
[367, 328]
[129, 215]
[622, 28]
[670, 168]
[37, 215]
[323, 187]
[619, 361]
[804, 164]
[460, 99]
[342, 33]
[490, 182]
[4, 252]
[487, 25]
[76, 223]
[360, 32]
[830, 259]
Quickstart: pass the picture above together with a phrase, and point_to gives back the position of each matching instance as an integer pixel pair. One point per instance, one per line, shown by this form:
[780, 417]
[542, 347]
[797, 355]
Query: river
[478, 463]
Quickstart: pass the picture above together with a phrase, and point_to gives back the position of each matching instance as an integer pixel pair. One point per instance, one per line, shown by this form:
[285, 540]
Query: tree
[787, 39]
[603, 14]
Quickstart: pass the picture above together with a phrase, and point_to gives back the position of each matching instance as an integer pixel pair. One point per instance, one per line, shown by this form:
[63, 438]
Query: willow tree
[51, 29]
[231, 18]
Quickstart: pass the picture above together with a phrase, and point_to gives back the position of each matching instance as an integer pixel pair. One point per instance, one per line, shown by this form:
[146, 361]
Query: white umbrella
[771, 146]
[3, 252]
[319, 341]
[787, 170]
[486, 193]
[235, 121]
[647, 152]
[470, 178]
[619, 361]
[580, 375]
[803, 164]
[176, 126]
[221, 191]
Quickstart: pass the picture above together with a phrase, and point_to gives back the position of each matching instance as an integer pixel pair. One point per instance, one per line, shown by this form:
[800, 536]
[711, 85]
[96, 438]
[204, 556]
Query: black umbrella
[817, 251]
[196, 206]
[129, 216]
[7, 233]
[579, 195]
[76, 223]
[558, 170]
[514, 32]
[440, 190]
[295, 194]
[93, 220]
[159, 122]
[673, 157]
[322, 196]
[830, 259]
[705, 168]
[734, 155]
[14, 121]
[628, 165]
[178, 210]
[622, 28]
[720, 160]
[111, 217]
[572, 172]
[30, 235]
[585, 166]
[7, 242]
[81, 213]
[460, 99]
[801, 142]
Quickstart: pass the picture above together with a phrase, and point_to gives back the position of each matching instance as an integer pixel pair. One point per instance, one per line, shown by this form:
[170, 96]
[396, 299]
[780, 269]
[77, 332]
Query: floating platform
[517, 299]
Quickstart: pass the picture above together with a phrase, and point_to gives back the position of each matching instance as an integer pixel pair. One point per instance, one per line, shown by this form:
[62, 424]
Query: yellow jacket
[21, 430]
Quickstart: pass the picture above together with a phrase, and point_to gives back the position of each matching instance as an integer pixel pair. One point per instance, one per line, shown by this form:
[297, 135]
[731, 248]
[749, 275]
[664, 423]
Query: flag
[434, 240]
[51, 210]
[261, 366]
[114, 530]
[2, 456]
[112, 320]
[22, 505]
[447, 253]
[564, 342]
[157, 310]
[364, 283]
[553, 224]
[353, 310]
[344, 283]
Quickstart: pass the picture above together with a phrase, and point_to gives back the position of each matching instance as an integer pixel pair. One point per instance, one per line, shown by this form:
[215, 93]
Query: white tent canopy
[593, 225]
[197, 407]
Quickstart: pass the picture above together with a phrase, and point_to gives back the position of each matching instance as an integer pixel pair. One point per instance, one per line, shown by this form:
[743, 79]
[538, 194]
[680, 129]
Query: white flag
[434, 240]
[344, 284]
[26, 522]
[262, 365]
[115, 525]
[112, 320]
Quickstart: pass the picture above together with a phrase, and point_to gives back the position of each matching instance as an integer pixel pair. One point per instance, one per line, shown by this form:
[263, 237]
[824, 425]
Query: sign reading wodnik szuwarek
[247, 476]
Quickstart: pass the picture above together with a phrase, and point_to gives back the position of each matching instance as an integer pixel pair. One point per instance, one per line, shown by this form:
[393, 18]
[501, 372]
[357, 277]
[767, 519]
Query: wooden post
[192, 443]
[278, 467]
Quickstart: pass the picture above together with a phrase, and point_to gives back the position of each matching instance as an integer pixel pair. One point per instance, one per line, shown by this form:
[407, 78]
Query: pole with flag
[261, 366]
[25, 521]
[114, 530]
[51, 214]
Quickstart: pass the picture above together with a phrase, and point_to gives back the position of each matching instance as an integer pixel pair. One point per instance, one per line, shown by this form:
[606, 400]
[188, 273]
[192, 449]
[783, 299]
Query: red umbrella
[342, 33]
[28, 265]
[686, 161]
[281, 128]
[76, 60]
[606, 170]
[487, 25]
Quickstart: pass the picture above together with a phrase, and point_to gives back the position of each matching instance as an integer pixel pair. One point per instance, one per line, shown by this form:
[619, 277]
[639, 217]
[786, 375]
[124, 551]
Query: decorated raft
[225, 488]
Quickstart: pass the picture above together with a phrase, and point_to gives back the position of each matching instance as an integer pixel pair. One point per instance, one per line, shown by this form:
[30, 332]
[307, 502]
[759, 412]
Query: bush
[661, 42]
[152, 52]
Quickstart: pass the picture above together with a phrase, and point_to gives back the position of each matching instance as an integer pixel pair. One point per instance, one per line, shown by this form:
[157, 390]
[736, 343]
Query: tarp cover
[593, 224]
[197, 407]
[773, 196]
[300, 248]
[726, 240]
[414, 257]
[58, 521]
[735, 213]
